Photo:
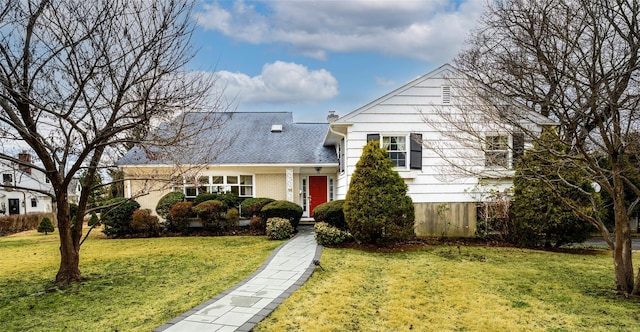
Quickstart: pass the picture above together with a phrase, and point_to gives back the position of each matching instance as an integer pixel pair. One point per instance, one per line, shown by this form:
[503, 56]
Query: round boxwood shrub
[167, 202]
[328, 235]
[46, 226]
[180, 215]
[283, 209]
[331, 213]
[279, 228]
[251, 207]
[117, 216]
[211, 213]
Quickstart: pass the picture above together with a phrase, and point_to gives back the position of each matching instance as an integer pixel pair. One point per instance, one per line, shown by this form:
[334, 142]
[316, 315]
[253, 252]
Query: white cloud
[431, 30]
[381, 81]
[280, 82]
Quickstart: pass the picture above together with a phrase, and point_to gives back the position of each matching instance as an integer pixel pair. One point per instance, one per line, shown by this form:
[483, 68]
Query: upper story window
[34, 202]
[446, 95]
[497, 151]
[397, 148]
[404, 150]
[7, 177]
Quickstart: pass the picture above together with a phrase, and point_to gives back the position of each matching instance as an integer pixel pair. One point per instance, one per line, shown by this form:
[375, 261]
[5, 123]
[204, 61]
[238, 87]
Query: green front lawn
[439, 288]
[133, 284]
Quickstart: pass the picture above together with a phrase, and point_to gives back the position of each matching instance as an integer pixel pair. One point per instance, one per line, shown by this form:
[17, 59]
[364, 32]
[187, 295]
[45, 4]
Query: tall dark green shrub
[167, 202]
[332, 213]
[377, 208]
[539, 216]
[283, 209]
[46, 226]
[251, 206]
[117, 216]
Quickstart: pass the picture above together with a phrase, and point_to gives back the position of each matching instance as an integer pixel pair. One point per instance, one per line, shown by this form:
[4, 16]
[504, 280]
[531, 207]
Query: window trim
[413, 148]
[491, 147]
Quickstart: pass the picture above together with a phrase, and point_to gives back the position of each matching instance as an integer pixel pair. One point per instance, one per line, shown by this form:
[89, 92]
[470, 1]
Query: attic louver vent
[276, 128]
[446, 94]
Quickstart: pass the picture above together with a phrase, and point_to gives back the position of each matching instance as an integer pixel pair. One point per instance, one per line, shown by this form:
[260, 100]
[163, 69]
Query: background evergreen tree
[543, 190]
[46, 226]
[377, 208]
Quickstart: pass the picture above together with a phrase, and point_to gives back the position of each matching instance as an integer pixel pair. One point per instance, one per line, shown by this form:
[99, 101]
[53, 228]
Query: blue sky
[310, 57]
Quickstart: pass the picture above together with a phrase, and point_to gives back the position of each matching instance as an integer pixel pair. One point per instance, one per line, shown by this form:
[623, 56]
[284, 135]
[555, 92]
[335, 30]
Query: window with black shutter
[415, 156]
[518, 148]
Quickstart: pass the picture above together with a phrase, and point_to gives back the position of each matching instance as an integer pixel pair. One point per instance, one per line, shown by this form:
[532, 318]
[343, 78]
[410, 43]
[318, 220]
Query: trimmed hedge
[283, 209]
[229, 200]
[279, 228]
[117, 219]
[167, 202]
[145, 223]
[179, 216]
[328, 235]
[212, 215]
[22, 222]
[331, 213]
[251, 207]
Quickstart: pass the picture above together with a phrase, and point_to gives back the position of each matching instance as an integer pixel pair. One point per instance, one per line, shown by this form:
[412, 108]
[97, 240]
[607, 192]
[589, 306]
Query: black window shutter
[415, 148]
[373, 137]
[518, 147]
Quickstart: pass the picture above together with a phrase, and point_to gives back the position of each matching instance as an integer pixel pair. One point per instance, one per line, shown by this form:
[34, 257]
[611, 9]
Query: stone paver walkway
[241, 307]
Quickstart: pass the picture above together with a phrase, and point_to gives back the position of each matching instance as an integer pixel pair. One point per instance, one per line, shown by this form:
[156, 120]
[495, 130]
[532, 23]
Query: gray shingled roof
[248, 139]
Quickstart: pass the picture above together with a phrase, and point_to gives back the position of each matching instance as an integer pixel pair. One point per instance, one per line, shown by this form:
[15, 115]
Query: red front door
[317, 192]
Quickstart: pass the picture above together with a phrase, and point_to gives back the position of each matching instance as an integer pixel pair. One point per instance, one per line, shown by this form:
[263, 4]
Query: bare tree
[576, 62]
[81, 79]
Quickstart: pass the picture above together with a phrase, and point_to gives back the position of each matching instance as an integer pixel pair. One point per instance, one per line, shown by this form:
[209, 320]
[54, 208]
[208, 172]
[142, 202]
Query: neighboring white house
[269, 155]
[18, 194]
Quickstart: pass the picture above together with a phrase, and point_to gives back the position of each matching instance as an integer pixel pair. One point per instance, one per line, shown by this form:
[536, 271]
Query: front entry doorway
[317, 192]
[14, 206]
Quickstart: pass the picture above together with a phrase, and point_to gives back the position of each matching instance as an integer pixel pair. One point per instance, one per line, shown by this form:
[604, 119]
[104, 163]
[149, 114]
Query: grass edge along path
[441, 288]
[132, 284]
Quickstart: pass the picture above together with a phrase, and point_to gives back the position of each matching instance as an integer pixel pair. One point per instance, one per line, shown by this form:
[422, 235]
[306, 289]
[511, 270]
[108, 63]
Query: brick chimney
[332, 117]
[25, 158]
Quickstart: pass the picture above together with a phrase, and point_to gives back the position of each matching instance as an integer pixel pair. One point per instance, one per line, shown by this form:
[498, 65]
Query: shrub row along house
[270, 155]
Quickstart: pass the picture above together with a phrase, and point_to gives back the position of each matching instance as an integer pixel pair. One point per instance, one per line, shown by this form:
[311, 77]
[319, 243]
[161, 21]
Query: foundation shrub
[331, 213]
[330, 235]
[251, 206]
[233, 217]
[167, 202]
[179, 216]
[212, 215]
[283, 209]
[46, 226]
[143, 222]
[229, 200]
[258, 224]
[279, 228]
[117, 217]
[377, 208]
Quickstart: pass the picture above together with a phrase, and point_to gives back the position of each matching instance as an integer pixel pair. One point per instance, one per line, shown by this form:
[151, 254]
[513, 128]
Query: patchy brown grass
[457, 288]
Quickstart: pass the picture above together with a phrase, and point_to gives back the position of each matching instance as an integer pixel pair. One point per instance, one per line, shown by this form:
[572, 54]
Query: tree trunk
[69, 248]
[622, 259]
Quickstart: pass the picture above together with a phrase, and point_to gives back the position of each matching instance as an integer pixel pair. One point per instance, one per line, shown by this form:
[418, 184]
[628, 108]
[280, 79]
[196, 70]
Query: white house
[23, 188]
[421, 124]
